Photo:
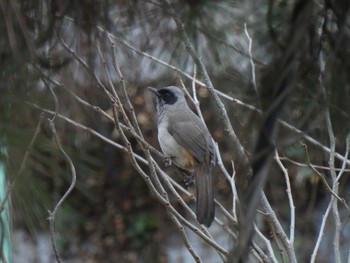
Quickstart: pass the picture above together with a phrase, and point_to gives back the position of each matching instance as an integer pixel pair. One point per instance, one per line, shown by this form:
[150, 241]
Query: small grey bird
[185, 139]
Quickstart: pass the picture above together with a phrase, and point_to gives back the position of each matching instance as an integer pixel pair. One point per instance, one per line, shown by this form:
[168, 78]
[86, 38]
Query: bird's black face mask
[167, 96]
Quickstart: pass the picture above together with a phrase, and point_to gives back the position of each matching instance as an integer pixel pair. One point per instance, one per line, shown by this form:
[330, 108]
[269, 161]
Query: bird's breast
[179, 155]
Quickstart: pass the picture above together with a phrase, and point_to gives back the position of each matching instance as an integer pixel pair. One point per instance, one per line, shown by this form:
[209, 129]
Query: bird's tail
[205, 209]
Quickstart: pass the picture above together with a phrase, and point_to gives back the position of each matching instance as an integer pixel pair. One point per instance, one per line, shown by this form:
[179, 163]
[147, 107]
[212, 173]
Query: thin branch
[185, 239]
[346, 156]
[87, 129]
[81, 61]
[109, 118]
[324, 181]
[284, 158]
[321, 231]
[279, 230]
[230, 179]
[275, 238]
[290, 198]
[268, 245]
[335, 188]
[52, 215]
[313, 141]
[259, 253]
[169, 183]
[252, 64]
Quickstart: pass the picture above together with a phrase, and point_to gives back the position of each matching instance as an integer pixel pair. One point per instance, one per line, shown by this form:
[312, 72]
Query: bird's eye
[168, 97]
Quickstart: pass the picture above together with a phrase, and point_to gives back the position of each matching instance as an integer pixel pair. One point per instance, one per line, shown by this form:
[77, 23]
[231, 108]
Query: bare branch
[279, 230]
[346, 156]
[52, 215]
[324, 181]
[320, 167]
[259, 253]
[252, 64]
[335, 188]
[204, 231]
[290, 198]
[321, 231]
[185, 239]
[268, 245]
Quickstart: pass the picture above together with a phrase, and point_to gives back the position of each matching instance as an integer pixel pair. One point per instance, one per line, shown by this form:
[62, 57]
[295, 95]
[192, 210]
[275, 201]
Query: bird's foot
[189, 180]
[167, 161]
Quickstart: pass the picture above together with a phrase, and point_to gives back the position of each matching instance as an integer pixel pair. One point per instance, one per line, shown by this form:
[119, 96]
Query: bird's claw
[167, 161]
[189, 180]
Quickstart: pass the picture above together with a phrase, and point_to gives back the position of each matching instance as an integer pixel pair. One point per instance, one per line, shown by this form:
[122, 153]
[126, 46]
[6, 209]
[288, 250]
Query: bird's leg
[189, 178]
[167, 161]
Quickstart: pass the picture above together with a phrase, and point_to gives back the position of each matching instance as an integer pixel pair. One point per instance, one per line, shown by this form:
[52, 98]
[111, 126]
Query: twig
[290, 198]
[267, 242]
[259, 253]
[324, 181]
[89, 130]
[194, 92]
[277, 241]
[346, 155]
[230, 179]
[52, 215]
[109, 118]
[335, 188]
[313, 141]
[185, 239]
[284, 158]
[204, 230]
[278, 228]
[321, 231]
[252, 64]
[81, 61]
[234, 190]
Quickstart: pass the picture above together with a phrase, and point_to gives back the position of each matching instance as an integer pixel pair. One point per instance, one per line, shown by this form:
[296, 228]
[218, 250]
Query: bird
[186, 142]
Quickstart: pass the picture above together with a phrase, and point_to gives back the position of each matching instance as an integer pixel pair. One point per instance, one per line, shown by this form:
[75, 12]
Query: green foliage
[141, 230]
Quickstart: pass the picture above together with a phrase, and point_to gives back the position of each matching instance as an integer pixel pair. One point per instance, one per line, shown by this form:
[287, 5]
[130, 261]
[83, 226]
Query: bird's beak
[154, 90]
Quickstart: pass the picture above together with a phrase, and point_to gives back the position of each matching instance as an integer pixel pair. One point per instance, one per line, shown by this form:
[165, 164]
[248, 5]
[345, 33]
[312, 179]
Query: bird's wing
[195, 138]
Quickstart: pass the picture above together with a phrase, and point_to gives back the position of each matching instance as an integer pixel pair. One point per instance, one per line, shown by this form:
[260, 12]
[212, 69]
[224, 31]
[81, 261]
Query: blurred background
[111, 216]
